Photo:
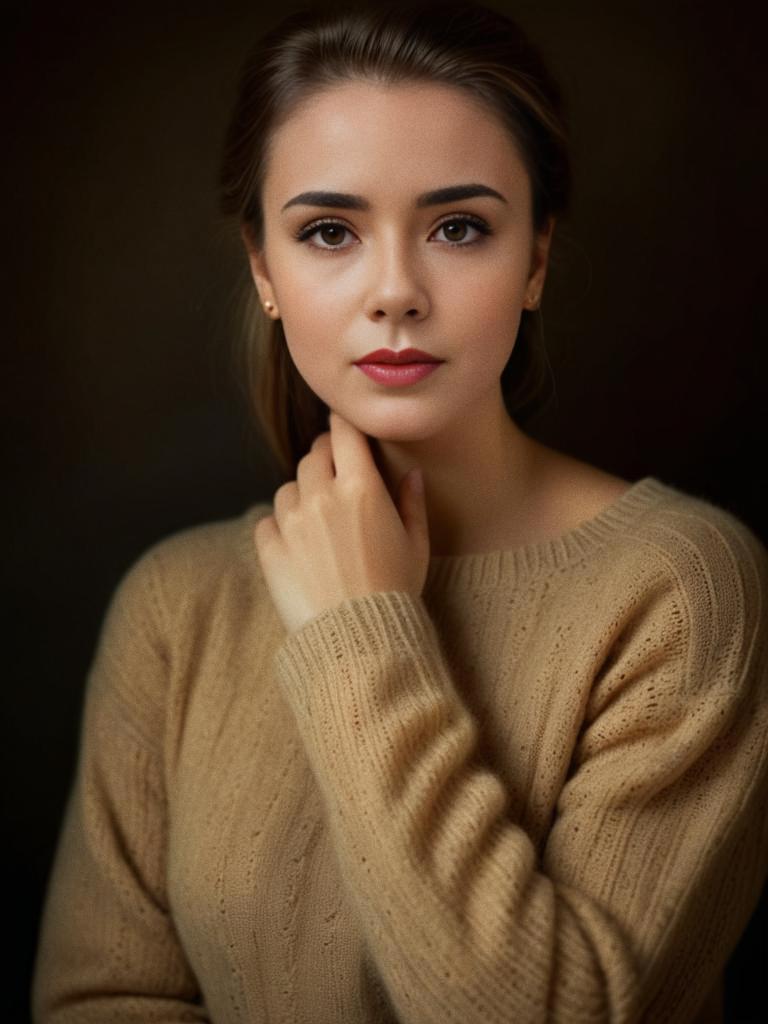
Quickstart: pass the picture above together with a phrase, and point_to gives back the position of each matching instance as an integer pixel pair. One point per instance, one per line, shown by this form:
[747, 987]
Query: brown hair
[459, 42]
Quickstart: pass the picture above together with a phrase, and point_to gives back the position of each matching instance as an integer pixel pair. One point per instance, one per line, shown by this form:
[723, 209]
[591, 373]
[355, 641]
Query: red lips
[407, 355]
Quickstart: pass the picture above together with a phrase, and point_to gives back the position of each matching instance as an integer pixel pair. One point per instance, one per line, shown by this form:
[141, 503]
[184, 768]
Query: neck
[479, 475]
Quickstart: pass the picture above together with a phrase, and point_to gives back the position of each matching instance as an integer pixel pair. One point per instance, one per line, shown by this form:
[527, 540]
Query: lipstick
[396, 369]
[392, 375]
[406, 355]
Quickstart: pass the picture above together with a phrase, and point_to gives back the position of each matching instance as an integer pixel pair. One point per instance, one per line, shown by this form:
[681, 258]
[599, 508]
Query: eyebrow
[348, 201]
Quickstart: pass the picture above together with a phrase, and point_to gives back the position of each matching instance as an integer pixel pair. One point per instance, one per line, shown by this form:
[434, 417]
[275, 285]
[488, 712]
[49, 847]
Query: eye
[335, 229]
[462, 223]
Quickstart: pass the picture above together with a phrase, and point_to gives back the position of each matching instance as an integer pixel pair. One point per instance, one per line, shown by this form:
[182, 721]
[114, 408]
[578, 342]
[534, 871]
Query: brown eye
[451, 228]
[332, 233]
[455, 230]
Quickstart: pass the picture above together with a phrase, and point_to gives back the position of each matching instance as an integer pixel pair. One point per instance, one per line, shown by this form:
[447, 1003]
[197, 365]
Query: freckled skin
[389, 278]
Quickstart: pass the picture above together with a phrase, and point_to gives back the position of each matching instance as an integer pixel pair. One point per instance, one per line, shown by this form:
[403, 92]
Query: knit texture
[535, 794]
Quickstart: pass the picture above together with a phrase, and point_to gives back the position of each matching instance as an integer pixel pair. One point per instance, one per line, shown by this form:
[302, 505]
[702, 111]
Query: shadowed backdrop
[125, 422]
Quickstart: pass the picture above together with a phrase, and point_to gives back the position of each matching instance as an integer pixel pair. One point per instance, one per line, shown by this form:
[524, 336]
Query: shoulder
[682, 591]
[173, 598]
[705, 546]
[194, 564]
[650, 526]
[693, 575]
[210, 547]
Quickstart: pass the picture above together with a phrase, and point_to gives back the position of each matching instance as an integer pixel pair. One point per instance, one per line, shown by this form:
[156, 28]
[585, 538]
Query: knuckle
[291, 512]
[353, 489]
[283, 491]
[320, 503]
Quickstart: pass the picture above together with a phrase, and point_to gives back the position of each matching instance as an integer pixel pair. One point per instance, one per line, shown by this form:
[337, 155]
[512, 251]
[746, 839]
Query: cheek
[504, 285]
[309, 310]
[316, 348]
[487, 306]
[310, 349]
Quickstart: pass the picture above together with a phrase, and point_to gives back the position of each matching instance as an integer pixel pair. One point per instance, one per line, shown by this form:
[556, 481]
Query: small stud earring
[269, 306]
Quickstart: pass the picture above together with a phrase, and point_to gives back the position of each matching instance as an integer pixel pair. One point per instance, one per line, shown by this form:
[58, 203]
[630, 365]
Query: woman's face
[449, 278]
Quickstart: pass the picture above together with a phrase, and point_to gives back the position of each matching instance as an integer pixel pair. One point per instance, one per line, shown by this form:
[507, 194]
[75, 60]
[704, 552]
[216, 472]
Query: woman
[492, 748]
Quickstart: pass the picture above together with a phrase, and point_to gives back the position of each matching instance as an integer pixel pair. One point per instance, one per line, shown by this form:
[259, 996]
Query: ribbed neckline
[488, 568]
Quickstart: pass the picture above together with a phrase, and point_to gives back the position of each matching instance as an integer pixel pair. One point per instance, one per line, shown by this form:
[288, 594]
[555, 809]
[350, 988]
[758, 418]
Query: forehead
[383, 138]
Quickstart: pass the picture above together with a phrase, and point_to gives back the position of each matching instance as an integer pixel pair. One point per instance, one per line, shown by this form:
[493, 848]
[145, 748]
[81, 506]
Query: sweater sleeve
[107, 948]
[659, 845]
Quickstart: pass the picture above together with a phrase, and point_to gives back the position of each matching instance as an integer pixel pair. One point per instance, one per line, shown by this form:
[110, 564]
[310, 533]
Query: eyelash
[303, 234]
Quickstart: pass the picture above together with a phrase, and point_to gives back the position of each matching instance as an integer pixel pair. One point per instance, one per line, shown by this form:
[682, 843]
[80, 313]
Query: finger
[265, 534]
[315, 469]
[351, 451]
[286, 496]
[322, 441]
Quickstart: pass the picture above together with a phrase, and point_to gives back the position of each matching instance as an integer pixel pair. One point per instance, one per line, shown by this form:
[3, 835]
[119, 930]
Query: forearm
[466, 922]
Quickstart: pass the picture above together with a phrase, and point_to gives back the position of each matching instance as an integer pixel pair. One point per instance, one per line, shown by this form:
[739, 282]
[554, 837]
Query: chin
[397, 428]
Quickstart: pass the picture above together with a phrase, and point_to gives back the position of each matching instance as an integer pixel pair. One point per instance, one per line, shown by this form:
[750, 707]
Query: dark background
[124, 417]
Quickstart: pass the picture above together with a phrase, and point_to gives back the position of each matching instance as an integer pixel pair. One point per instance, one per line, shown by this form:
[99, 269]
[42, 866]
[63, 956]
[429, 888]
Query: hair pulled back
[455, 42]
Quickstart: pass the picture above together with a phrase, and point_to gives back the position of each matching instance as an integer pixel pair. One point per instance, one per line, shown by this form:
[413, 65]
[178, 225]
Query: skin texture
[388, 277]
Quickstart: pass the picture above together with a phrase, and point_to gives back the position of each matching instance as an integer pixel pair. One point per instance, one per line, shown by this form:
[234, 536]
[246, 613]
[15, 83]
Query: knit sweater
[535, 793]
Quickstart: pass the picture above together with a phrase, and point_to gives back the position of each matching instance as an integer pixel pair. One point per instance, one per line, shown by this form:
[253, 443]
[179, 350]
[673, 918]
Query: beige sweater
[537, 793]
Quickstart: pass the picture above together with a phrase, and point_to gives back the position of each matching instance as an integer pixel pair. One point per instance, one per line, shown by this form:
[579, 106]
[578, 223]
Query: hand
[336, 533]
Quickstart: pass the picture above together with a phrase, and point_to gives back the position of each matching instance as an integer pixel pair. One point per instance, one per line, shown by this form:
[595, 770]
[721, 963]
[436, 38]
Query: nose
[396, 289]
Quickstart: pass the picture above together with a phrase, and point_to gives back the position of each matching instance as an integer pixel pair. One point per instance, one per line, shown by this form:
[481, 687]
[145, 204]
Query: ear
[539, 263]
[259, 271]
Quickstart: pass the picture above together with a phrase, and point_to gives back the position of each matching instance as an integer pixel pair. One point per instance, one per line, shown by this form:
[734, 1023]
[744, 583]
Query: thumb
[413, 510]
